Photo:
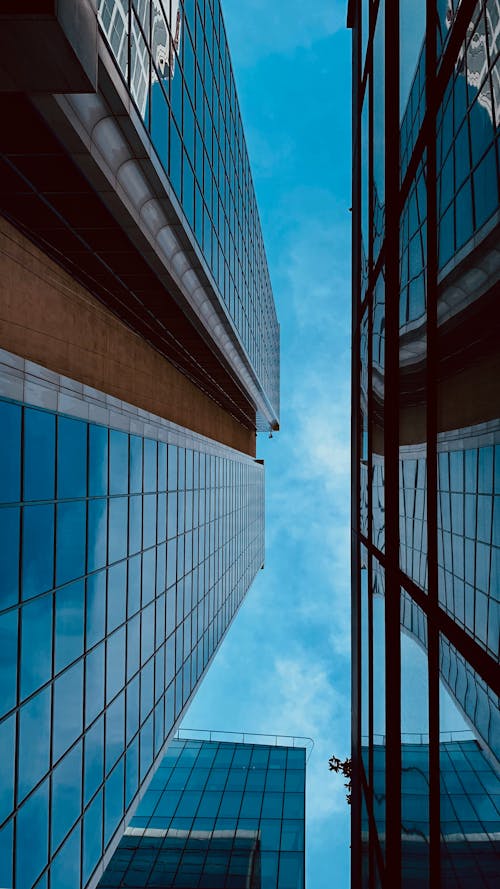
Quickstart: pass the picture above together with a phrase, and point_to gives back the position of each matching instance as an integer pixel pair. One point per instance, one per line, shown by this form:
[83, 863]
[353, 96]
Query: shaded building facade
[139, 355]
[218, 815]
[426, 445]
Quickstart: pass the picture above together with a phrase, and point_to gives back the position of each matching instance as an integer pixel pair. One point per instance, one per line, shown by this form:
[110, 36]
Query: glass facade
[173, 56]
[124, 560]
[217, 815]
[426, 442]
[469, 803]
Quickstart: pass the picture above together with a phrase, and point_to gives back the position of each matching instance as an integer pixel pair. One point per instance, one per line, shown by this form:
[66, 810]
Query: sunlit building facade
[218, 815]
[139, 355]
[426, 442]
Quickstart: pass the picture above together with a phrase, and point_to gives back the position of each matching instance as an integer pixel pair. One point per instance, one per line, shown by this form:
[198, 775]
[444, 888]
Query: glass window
[8, 765]
[94, 759]
[118, 528]
[146, 747]
[115, 663]
[9, 556]
[38, 550]
[150, 465]
[133, 645]
[293, 805]
[115, 731]
[65, 869]
[149, 527]
[98, 461]
[66, 795]
[71, 458]
[134, 585]
[8, 662]
[147, 632]
[97, 534]
[148, 576]
[172, 468]
[39, 455]
[70, 604]
[32, 822]
[36, 645]
[291, 870]
[92, 837]
[6, 853]
[117, 595]
[132, 708]
[135, 464]
[118, 462]
[172, 514]
[68, 709]
[10, 452]
[162, 466]
[96, 608]
[132, 772]
[34, 742]
[70, 543]
[135, 524]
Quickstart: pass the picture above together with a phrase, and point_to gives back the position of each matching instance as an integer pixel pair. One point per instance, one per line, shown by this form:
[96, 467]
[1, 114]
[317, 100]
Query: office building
[139, 357]
[219, 815]
[426, 442]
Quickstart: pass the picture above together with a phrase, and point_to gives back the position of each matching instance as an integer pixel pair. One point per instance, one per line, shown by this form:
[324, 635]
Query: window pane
[36, 645]
[118, 462]
[7, 767]
[32, 822]
[9, 556]
[8, 661]
[68, 709]
[98, 461]
[34, 742]
[71, 538]
[94, 683]
[66, 795]
[118, 528]
[39, 454]
[38, 550]
[97, 534]
[10, 452]
[70, 604]
[71, 458]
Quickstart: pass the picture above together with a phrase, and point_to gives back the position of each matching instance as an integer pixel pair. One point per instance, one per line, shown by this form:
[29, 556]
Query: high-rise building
[217, 815]
[426, 443]
[139, 355]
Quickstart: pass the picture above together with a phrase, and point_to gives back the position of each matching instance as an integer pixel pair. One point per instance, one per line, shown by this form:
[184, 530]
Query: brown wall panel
[46, 316]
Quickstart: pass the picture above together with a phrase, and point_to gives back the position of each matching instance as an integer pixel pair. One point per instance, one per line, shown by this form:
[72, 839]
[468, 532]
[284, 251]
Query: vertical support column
[391, 451]
[355, 457]
[431, 422]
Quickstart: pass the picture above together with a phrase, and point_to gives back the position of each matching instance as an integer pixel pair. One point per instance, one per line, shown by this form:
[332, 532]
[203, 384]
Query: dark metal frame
[438, 73]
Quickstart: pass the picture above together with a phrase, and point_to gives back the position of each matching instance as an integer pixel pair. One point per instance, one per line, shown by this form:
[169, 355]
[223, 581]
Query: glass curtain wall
[217, 815]
[124, 560]
[426, 441]
[174, 58]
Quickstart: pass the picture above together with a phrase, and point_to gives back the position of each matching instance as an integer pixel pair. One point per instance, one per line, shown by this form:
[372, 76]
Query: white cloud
[258, 28]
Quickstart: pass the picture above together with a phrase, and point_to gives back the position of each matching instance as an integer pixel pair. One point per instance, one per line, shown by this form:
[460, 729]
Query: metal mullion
[391, 456]
[431, 277]
[374, 848]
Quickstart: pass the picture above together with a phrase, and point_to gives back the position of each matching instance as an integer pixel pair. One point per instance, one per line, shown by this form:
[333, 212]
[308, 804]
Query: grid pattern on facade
[425, 408]
[470, 806]
[217, 814]
[124, 560]
[174, 57]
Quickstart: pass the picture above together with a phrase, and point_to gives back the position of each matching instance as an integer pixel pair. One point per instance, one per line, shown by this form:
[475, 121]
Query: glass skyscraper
[218, 815]
[139, 355]
[426, 444]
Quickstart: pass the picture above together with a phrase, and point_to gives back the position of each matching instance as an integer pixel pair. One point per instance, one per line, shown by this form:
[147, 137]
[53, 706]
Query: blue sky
[284, 666]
